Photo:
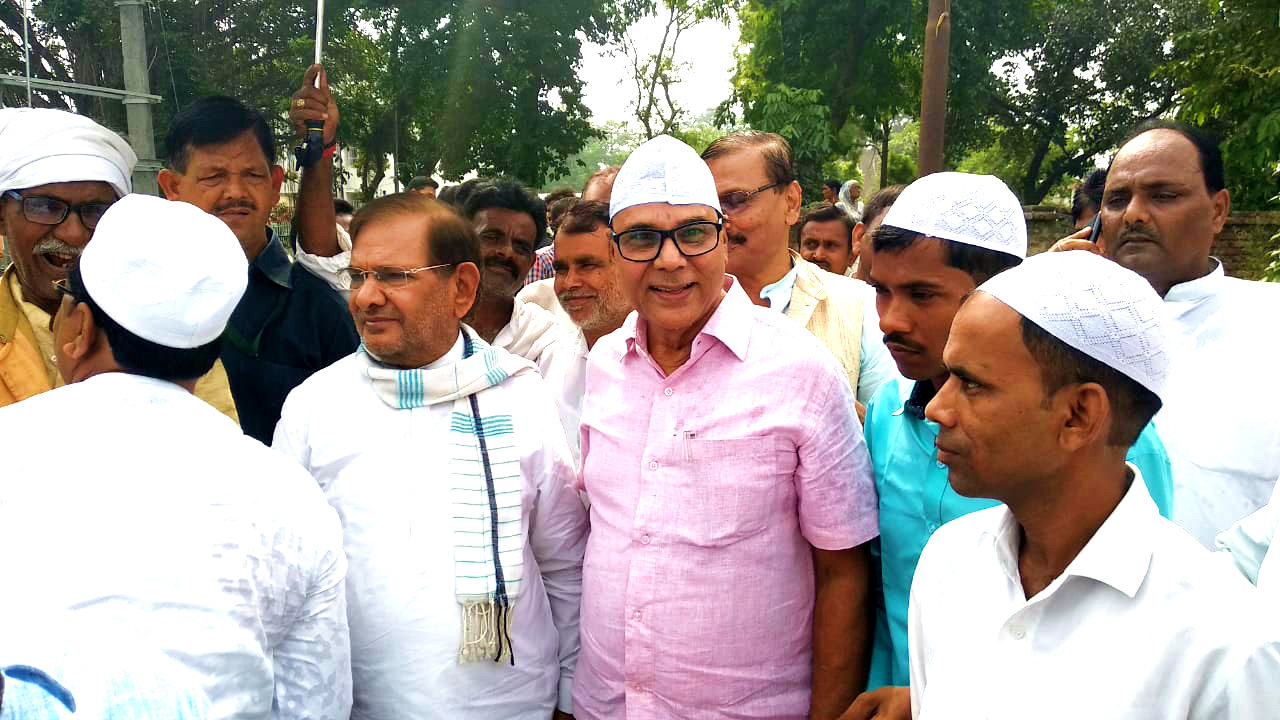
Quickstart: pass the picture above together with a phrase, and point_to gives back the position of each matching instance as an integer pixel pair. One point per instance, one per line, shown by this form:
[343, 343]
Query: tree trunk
[933, 88]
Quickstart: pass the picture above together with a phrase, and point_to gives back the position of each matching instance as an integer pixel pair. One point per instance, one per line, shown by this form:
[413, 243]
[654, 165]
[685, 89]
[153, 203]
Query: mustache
[49, 245]
[1131, 233]
[499, 262]
[898, 339]
[233, 204]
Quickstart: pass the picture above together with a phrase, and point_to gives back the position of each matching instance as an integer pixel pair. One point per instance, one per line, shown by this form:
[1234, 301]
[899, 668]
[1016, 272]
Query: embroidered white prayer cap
[977, 210]
[1094, 305]
[663, 170]
[39, 146]
[167, 271]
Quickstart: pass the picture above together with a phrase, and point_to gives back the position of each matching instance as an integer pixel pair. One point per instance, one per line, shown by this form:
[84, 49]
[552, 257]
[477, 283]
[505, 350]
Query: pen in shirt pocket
[688, 444]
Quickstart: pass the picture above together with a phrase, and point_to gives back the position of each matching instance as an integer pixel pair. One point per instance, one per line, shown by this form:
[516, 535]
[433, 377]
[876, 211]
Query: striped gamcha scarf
[487, 489]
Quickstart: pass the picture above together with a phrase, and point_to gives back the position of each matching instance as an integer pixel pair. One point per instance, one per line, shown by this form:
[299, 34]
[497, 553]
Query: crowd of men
[706, 454]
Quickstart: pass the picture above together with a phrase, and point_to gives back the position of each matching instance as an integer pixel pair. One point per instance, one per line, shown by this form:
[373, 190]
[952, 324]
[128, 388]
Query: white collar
[1118, 554]
[1202, 287]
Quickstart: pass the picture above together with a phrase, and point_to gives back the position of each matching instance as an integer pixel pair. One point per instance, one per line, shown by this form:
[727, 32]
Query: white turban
[167, 271]
[1094, 305]
[977, 210]
[663, 170]
[39, 146]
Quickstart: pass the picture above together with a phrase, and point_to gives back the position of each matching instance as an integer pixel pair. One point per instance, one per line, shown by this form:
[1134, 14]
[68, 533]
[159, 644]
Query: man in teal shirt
[946, 234]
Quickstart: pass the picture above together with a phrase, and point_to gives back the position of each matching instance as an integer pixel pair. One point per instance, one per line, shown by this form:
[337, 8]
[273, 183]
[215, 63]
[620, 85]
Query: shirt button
[667, 392]
[653, 464]
[1017, 633]
[644, 539]
[636, 614]
[932, 528]
[941, 465]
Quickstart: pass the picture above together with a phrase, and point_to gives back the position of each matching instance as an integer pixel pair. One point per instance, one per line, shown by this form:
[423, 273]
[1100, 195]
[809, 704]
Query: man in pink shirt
[731, 495]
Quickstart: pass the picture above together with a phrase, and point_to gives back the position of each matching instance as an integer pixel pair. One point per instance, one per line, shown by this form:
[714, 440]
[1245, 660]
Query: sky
[709, 46]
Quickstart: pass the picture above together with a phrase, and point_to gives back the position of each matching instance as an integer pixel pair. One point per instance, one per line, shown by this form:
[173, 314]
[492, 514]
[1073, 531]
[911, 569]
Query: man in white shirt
[760, 197]
[156, 517]
[586, 287]
[1164, 203]
[447, 463]
[1074, 599]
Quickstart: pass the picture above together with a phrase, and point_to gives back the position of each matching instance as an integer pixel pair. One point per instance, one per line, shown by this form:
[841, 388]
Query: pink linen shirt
[708, 488]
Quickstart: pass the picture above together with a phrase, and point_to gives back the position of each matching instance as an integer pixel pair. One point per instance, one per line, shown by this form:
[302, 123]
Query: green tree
[1229, 75]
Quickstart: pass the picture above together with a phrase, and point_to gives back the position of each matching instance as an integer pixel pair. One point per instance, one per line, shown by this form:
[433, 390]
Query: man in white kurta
[1165, 201]
[1074, 598]
[137, 507]
[385, 462]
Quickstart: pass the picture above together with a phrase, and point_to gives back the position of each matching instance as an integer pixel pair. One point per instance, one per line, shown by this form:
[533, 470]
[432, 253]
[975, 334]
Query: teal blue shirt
[916, 499]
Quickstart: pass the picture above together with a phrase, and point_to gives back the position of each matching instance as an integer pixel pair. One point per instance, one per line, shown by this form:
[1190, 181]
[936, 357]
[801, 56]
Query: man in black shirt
[220, 157]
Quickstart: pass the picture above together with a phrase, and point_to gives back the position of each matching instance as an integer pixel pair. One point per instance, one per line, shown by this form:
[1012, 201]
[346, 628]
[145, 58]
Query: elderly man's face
[413, 325]
[586, 280]
[507, 240]
[759, 230]
[233, 180]
[44, 253]
[827, 244]
[997, 431]
[673, 293]
[1158, 217]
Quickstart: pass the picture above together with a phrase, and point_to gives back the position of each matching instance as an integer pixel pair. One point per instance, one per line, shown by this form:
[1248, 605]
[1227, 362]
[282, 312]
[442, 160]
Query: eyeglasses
[691, 240]
[52, 211]
[352, 278]
[736, 202]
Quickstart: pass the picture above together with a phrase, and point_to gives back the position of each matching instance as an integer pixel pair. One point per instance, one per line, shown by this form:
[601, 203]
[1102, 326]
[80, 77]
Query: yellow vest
[830, 306]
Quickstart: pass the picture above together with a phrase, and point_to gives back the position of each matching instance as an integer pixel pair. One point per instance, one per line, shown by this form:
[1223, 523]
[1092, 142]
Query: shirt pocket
[734, 489]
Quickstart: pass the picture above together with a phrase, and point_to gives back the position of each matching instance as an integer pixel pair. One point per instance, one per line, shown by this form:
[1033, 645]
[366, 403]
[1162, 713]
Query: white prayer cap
[1094, 305]
[663, 170]
[167, 271]
[39, 146]
[977, 210]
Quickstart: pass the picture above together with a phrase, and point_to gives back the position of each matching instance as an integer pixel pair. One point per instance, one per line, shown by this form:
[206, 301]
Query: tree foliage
[484, 86]
[1229, 79]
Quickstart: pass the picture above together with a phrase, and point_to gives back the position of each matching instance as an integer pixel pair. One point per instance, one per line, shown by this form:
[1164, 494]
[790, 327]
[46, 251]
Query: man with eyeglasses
[727, 570]
[755, 181]
[446, 461]
[59, 172]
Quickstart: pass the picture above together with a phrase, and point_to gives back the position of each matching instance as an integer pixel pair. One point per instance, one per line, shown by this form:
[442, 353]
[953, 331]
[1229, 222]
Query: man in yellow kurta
[58, 174]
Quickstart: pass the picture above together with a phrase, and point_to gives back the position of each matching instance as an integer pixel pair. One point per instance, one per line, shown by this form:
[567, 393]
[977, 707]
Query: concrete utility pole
[133, 44]
[933, 88]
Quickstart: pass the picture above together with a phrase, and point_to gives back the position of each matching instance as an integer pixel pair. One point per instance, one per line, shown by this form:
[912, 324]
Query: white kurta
[1249, 544]
[139, 508]
[385, 470]
[1144, 623]
[567, 376]
[1219, 420]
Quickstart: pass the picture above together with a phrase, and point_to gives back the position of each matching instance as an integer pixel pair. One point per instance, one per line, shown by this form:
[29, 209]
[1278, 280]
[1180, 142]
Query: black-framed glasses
[734, 202]
[52, 211]
[353, 278]
[691, 240]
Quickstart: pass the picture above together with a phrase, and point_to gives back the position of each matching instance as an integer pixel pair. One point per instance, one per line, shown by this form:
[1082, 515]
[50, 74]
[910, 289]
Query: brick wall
[1242, 245]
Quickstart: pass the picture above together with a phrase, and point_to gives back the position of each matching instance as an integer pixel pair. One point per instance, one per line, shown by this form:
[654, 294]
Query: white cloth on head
[39, 146]
[1094, 305]
[1143, 623]
[663, 170]
[167, 271]
[977, 210]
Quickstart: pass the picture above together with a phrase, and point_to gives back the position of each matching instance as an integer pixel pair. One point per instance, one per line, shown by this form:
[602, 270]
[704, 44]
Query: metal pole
[26, 46]
[133, 45]
[933, 89]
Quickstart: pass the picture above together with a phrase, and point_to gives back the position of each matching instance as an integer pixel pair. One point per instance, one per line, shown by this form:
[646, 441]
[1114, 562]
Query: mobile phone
[1095, 228]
